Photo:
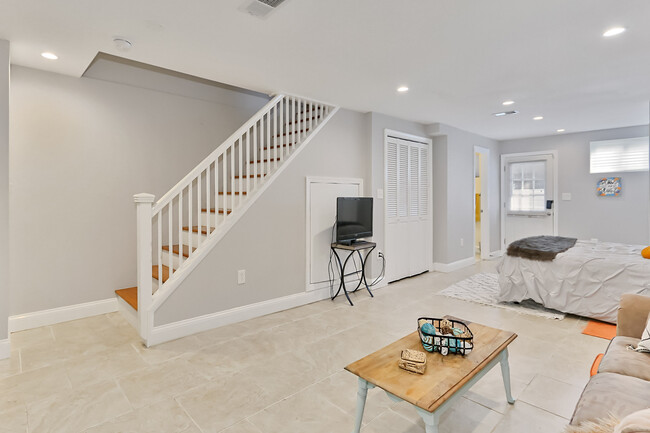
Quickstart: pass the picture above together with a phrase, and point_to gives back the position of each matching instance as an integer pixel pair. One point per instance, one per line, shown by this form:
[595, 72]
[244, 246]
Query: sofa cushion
[619, 359]
[611, 393]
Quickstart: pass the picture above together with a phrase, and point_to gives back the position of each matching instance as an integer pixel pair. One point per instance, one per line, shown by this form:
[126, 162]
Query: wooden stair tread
[175, 249]
[165, 273]
[195, 229]
[305, 120]
[250, 175]
[274, 146]
[302, 131]
[130, 296]
[236, 193]
[265, 160]
[212, 210]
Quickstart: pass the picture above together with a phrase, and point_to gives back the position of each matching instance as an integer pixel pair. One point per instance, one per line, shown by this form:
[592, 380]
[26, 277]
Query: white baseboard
[454, 266]
[5, 348]
[173, 331]
[496, 254]
[63, 314]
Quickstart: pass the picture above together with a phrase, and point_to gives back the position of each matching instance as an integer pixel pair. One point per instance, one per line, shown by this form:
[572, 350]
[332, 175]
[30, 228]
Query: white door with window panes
[407, 196]
[529, 192]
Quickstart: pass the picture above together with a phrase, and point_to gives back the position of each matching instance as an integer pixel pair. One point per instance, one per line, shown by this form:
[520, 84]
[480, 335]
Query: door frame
[485, 189]
[556, 204]
[429, 235]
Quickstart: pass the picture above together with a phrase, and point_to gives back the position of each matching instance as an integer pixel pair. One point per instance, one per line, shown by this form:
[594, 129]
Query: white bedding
[587, 280]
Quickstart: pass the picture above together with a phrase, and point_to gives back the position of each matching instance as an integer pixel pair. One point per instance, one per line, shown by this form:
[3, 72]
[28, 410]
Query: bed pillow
[637, 422]
[646, 253]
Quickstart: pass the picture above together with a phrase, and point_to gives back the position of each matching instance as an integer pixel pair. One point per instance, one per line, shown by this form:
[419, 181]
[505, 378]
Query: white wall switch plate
[380, 194]
[462, 242]
[566, 196]
[241, 276]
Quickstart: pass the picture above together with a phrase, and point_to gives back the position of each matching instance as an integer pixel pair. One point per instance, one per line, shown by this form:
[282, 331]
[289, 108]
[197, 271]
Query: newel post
[143, 205]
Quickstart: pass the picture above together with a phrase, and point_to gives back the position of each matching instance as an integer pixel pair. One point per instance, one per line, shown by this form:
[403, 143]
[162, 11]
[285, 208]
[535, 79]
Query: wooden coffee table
[445, 380]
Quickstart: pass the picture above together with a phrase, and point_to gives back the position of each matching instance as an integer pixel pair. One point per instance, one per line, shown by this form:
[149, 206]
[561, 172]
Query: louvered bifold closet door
[402, 180]
[407, 207]
[391, 180]
[414, 181]
[424, 181]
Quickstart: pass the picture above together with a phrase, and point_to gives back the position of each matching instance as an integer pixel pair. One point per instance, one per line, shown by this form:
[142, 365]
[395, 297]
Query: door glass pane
[528, 186]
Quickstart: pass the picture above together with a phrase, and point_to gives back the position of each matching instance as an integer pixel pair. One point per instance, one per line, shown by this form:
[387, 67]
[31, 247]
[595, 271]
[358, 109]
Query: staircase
[175, 233]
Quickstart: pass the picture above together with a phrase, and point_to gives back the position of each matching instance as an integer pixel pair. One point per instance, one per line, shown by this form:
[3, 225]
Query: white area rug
[483, 288]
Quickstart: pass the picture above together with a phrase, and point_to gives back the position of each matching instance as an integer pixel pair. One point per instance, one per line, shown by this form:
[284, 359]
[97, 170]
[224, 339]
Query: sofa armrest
[632, 315]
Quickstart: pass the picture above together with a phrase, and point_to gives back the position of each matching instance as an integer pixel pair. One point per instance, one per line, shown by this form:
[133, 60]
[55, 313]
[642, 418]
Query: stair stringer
[215, 237]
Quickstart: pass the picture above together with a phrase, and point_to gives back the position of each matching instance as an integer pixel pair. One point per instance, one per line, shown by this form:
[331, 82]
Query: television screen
[353, 218]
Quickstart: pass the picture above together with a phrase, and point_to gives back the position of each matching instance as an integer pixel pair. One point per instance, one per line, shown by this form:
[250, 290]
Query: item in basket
[413, 361]
[446, 327]
[428, 328]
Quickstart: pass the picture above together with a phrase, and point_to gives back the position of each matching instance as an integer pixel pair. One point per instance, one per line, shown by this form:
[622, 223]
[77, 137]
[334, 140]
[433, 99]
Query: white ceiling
[460, 58]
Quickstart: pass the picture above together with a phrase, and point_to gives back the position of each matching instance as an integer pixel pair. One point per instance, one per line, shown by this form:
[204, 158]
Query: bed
[587, 279]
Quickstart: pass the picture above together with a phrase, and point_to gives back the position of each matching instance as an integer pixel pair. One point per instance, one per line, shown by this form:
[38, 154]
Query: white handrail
[160, 204]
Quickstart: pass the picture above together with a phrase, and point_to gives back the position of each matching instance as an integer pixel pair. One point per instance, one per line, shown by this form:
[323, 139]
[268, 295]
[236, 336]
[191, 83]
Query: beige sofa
[622, 384]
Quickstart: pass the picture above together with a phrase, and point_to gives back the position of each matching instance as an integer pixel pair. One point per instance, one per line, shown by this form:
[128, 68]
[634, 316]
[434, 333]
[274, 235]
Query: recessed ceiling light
[614, 31]
[50, 56]
[508, 102]
[561, 130]
[402, 89]
[538, 117]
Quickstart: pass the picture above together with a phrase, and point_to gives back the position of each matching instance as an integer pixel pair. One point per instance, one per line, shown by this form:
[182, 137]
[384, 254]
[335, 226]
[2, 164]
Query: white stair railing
[178, 231]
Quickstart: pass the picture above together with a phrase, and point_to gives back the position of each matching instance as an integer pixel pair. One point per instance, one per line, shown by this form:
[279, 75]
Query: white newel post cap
[143, 197]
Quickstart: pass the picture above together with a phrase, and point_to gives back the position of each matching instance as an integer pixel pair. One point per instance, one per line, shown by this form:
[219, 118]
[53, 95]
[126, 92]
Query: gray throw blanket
[542, 248]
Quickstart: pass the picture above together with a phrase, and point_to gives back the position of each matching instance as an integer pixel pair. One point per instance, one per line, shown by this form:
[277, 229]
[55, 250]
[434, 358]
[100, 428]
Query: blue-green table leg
[431, 420]
[505, 372]
[362, 393]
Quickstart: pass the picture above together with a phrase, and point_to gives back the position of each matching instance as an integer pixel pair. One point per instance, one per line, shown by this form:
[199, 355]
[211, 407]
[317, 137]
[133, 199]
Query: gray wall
[269, 241]
[614, 219]
[80, 149]
[453, 192]
[4, 188]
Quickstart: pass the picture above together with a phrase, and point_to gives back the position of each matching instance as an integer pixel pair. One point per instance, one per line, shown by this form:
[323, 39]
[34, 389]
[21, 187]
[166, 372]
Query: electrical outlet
[241, 276]
[462, 242]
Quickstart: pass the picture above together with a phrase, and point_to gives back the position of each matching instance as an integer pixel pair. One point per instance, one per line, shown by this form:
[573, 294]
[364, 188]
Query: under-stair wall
[269, 241]
[80, 148]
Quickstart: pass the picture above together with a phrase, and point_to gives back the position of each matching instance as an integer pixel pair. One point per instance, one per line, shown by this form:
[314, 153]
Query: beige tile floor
[283, 372]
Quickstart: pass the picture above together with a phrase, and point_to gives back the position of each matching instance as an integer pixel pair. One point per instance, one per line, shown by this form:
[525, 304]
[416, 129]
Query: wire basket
[445, 344]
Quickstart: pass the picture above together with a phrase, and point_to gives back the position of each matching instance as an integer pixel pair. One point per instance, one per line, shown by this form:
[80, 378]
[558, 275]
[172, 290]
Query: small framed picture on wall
[609, 187]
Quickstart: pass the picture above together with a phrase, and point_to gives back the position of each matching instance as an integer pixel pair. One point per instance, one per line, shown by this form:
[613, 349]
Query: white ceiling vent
[261, 8]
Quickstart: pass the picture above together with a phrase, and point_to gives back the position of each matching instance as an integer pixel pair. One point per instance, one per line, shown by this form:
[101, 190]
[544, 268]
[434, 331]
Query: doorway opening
[481, 215]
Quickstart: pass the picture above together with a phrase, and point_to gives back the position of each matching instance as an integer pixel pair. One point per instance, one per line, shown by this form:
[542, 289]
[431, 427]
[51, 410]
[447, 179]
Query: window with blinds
[407, 179]
[629, 154]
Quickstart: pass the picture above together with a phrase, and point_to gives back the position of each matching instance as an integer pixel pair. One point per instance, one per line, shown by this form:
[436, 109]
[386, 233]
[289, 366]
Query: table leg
[431, 420]
[363, 270]
[362, 393]
[505, 372]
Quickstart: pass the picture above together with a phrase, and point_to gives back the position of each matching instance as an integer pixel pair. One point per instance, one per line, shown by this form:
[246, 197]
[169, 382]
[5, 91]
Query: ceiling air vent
[261, 8]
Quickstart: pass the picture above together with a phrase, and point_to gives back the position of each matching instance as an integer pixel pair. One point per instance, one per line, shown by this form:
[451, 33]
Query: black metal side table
[354, 248]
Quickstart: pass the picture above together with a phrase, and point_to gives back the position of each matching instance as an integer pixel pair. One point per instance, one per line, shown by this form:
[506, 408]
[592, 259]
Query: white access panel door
[408, 221]
[322, 194]
[529, 192]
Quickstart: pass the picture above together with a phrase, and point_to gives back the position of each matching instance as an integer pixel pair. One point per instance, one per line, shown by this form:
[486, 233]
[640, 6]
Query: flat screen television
[353, 219]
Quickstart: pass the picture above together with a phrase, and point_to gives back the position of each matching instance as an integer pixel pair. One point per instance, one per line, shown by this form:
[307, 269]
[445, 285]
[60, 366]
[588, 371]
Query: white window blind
[528, 186]
[629, 154]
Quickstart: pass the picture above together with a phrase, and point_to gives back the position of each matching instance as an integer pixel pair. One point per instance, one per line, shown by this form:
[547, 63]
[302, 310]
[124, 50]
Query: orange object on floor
[596, 364]
[600, 329]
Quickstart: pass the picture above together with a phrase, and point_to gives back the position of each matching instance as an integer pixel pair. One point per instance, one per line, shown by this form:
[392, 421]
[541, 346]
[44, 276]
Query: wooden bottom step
[130, 296]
